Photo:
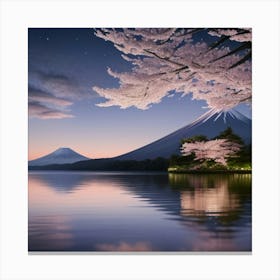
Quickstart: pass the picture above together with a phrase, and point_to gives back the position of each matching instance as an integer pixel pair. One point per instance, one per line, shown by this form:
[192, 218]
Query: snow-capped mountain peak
[63, 151]
[210, 124]
[59, 156]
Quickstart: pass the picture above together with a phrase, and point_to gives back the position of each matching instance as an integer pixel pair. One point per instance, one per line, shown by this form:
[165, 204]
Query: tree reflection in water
[212, 195]
[117, 211]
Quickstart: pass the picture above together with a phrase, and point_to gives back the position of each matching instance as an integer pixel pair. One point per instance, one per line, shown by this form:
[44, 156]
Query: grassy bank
[205, 171]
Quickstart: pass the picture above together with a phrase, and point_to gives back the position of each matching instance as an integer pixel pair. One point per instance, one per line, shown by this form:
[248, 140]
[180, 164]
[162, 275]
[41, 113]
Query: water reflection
[61, 181]
[116, 211]
[126, 247]
[218, 207]
[53, 232]
[209, 195]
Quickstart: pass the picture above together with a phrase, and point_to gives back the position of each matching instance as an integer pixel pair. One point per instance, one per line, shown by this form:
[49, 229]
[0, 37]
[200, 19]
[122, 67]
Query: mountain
[210, 124]
[59, 156]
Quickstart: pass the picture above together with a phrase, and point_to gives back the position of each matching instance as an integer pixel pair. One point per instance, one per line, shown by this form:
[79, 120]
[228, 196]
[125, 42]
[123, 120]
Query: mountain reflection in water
[121, 211]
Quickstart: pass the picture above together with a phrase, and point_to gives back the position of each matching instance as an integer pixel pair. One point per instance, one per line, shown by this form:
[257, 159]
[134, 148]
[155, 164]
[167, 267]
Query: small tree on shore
[218, 150]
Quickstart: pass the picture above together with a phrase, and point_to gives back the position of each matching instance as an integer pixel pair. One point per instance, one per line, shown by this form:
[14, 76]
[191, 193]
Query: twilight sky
[64, 65]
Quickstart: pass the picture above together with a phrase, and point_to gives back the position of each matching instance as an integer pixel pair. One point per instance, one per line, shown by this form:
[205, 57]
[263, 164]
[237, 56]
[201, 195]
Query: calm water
[119, 211]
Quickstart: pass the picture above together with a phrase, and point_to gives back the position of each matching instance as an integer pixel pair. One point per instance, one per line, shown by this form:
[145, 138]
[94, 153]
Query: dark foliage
[229, 135]
[158, 164]
[241, 160]
[182, 160]
[196, 138]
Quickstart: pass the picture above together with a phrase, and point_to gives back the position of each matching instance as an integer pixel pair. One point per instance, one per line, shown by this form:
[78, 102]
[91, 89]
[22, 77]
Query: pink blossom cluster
[167, 59]
[217, 150]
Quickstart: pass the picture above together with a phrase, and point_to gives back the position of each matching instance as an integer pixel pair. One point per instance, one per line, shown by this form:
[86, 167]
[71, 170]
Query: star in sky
[64, 65]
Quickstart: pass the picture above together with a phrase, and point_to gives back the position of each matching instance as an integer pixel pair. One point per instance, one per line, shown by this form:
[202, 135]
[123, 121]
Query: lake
[133, 212]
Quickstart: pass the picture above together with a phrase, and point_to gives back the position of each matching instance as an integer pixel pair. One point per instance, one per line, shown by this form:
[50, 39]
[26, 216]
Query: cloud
[57, 84]
[38, 95]
[50, 95]
[38, 110]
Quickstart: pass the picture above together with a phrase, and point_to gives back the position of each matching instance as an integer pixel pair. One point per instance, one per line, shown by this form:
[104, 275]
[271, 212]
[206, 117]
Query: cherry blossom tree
[166, 60]
[217, 150]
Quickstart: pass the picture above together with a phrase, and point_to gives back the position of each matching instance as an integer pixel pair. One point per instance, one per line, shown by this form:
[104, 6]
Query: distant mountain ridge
[59, 156]
[210, 124]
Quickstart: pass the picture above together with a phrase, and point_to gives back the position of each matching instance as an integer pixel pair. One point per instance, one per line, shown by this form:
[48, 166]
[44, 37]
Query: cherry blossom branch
[166, 59]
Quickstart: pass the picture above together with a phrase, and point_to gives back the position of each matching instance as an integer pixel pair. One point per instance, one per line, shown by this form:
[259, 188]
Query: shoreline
[153, 171]
[210, 171]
